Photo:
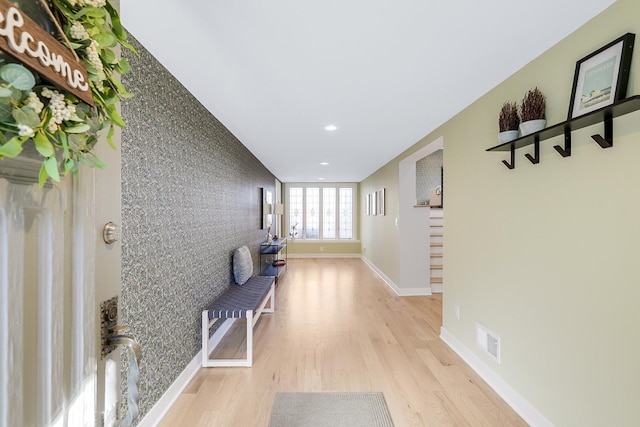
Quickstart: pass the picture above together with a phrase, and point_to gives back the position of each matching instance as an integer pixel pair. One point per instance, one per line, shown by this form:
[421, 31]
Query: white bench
[246, 301]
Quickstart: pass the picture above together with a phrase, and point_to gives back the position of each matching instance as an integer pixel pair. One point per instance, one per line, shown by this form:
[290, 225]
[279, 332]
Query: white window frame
[337, 185]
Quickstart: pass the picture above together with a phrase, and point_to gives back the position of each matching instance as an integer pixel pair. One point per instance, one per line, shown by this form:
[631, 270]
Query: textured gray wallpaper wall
[427, 175]
[190, 196]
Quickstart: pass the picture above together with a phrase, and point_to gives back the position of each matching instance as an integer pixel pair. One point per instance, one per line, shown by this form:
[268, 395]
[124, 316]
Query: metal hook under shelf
[566, 150]
[535, 159]
[607, 141]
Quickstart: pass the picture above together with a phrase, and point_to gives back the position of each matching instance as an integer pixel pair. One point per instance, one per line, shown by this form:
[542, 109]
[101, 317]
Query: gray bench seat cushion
[236, 300]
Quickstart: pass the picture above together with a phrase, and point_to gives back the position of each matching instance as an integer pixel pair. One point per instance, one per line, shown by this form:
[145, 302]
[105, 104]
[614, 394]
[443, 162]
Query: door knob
[111, 233]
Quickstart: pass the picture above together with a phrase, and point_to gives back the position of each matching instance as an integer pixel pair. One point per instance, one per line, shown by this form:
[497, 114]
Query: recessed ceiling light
[320, 179]
[324, 163]
[331, 128]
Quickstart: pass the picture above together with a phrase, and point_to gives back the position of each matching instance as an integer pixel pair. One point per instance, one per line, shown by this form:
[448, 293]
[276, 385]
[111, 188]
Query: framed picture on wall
[380, 200]
[267, 209]
[601, 77]
[374, 204]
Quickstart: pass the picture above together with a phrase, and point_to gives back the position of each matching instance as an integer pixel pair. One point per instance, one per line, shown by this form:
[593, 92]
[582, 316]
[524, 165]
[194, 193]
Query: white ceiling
[386, 73]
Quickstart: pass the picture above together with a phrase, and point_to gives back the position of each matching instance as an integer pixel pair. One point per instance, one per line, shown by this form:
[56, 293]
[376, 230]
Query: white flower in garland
[92, 3]
[92, 55]
[34, 102]
[25, 130]
[60, 110]
[78, 32]
[95, 3]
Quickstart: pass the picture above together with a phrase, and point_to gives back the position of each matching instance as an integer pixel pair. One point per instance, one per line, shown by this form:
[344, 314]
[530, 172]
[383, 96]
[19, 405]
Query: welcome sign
[27, 42]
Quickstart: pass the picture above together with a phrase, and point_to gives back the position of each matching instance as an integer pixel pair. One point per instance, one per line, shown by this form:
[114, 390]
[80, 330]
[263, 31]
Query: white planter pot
[532, 126]
[507, 135]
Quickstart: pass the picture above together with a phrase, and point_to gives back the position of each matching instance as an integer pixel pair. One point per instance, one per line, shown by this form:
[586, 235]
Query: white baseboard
[323, 255]
[401, 292]
[413, 292]
[162, 406]
[528, 412]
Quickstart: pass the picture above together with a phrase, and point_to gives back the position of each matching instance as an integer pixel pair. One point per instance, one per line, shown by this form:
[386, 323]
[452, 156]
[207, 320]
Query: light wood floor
[338, 327]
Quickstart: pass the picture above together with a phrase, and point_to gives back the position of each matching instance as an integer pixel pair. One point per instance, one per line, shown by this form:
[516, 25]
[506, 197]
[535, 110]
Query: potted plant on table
[508, 121]
[532, 112]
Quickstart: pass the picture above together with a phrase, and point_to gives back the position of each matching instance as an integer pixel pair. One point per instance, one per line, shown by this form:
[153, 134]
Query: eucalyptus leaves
[63, 128]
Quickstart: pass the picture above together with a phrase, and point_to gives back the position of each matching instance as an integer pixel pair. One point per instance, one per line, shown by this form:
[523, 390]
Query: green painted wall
[546, 255]
[379, 235]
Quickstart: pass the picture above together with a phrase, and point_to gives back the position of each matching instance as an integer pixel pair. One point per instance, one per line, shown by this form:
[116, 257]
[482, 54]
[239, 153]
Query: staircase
[436, 228]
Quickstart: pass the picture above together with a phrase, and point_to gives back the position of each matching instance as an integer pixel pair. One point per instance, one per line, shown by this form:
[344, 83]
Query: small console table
[273, 258]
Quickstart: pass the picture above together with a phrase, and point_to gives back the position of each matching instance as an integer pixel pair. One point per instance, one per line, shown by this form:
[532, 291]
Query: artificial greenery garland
[62, 127]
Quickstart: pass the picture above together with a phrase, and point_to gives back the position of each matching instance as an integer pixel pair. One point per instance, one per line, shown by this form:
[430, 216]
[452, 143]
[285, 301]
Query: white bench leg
[271, 300]
[249, 338]
[251, 321]
[205, 337]
[228, 363]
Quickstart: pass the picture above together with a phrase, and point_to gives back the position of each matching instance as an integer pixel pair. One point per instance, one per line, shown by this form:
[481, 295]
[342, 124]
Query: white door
[54, 272]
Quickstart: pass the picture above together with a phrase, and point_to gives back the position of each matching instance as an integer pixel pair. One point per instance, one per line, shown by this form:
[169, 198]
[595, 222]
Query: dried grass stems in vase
[532, 112]
[508, 119]
[508, 122]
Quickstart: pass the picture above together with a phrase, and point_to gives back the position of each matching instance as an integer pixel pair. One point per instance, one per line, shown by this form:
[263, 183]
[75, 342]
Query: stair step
[436, 232]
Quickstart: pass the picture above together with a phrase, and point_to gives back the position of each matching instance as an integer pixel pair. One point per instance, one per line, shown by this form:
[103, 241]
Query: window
[321, 211]
[328, 213]
[346, 213]
[295, 212]
[312, 213]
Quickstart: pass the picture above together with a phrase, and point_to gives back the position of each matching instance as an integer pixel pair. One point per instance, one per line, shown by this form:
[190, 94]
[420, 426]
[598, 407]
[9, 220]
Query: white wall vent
[488, 341]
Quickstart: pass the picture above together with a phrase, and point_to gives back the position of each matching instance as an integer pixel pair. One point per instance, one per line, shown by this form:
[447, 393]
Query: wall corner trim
[528, 412]
[164, 404]
[401, 292]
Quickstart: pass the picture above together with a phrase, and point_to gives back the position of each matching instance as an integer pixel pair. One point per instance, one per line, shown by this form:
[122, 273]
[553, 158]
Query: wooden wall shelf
[604, 115]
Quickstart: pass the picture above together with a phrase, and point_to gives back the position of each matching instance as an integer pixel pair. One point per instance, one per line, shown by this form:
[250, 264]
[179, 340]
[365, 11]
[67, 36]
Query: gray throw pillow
[242, 265]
